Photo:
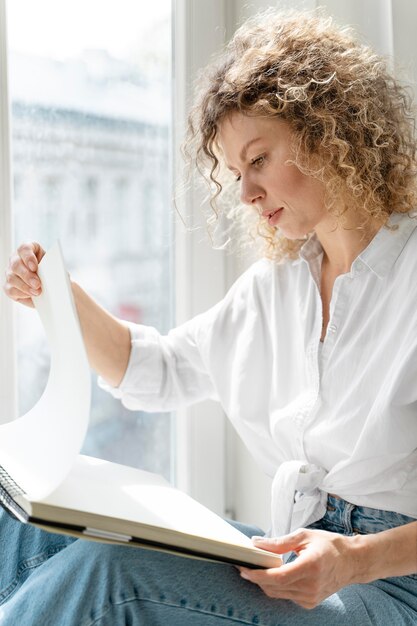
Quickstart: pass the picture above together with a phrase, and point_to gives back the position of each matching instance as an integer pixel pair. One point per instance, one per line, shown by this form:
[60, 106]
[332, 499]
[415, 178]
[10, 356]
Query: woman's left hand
[326, 562]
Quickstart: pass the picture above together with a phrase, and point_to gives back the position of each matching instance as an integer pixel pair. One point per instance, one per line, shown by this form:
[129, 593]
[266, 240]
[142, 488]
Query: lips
[272, 216]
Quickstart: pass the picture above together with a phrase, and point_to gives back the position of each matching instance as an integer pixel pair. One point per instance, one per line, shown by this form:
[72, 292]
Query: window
[201, 275]
[89, 84]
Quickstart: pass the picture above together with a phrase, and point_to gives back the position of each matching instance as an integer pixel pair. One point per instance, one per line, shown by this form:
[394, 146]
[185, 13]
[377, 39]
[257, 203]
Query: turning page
[39, 448]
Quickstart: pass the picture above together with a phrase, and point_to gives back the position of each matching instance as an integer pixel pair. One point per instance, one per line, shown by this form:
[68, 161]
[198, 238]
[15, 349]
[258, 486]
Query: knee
[98, 559]
[97, 552]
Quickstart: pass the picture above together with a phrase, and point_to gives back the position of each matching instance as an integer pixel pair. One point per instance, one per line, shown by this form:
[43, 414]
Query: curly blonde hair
[352, 122]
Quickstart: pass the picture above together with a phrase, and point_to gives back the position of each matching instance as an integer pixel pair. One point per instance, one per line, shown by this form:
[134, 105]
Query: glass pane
[91, 109]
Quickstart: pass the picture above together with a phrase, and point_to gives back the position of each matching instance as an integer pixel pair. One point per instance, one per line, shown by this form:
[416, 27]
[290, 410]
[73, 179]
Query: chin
[293, 234]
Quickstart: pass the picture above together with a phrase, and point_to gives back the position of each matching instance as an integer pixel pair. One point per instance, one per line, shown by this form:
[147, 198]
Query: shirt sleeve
[167, 372]
[164, 373]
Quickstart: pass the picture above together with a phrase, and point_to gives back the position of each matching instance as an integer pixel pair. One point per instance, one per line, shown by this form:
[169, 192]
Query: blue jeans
[52, 580]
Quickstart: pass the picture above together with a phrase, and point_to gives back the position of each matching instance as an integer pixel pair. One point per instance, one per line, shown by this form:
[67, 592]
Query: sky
[61, 29]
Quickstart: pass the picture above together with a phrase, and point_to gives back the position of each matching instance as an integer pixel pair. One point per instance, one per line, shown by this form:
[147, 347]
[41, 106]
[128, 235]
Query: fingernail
[244, 575]
[257, 538]
[34, 283]
[32, 266]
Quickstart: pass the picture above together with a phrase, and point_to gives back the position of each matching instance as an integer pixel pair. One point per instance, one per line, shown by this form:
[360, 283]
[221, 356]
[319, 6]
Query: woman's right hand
[106, 338]
[22, 280]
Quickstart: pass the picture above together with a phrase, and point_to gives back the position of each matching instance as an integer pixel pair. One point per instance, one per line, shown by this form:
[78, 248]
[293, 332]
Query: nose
[250, 191]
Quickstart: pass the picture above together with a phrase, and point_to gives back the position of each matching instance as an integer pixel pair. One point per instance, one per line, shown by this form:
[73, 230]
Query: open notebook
[46, 482]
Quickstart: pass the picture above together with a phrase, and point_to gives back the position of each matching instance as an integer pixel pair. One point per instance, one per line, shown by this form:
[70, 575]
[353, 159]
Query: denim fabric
[51, 580]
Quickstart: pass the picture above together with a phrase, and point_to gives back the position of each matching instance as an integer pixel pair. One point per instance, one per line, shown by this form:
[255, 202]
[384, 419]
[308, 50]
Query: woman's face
[257, 150]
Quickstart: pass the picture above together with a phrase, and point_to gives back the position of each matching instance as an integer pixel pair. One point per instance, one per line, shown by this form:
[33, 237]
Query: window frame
[8, 386]
[202, 274]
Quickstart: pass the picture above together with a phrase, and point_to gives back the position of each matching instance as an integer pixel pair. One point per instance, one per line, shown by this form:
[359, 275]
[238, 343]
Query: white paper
[39, 448]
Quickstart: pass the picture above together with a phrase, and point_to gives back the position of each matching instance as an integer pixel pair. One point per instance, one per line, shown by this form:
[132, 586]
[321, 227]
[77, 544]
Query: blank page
[39, 448]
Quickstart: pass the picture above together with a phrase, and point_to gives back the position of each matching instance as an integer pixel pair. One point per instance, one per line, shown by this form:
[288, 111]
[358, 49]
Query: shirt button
[332, 328]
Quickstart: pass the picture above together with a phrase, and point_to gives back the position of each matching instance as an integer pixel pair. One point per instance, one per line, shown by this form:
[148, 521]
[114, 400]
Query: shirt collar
[385, 248]
[381, 253]
[311, 249]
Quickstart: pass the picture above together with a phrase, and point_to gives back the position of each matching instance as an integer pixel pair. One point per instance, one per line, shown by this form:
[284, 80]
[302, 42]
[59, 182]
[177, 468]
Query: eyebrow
[244, 151]
[246, 147]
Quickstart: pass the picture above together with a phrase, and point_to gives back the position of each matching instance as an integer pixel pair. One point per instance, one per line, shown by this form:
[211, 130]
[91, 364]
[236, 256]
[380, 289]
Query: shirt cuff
[144, 372]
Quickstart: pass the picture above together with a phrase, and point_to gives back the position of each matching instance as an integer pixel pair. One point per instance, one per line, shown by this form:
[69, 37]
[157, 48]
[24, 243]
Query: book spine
[9, 489]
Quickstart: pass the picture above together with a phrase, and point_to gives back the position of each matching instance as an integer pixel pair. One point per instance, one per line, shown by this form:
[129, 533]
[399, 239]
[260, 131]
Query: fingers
[306, 566]
[302, 589]
[314, 575]
[304, 572]
[31, 253]
[16, 289]
[285, 576]
[271, 577]
[287, 543]
[26, 302]
[304, 592]
[22, 281]
[303, 598]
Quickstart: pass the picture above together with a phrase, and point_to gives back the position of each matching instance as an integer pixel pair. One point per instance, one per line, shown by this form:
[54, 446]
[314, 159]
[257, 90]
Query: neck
[343, 243]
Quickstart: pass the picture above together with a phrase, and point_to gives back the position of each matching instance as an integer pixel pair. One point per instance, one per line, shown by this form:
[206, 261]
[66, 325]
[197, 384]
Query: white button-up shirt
[339, 420]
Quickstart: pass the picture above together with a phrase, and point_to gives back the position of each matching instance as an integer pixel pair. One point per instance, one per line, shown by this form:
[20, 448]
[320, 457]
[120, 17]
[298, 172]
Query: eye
[259, 161]
[238, 178]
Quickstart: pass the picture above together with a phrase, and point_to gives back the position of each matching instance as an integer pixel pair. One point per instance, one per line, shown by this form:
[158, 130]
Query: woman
[312, 353]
